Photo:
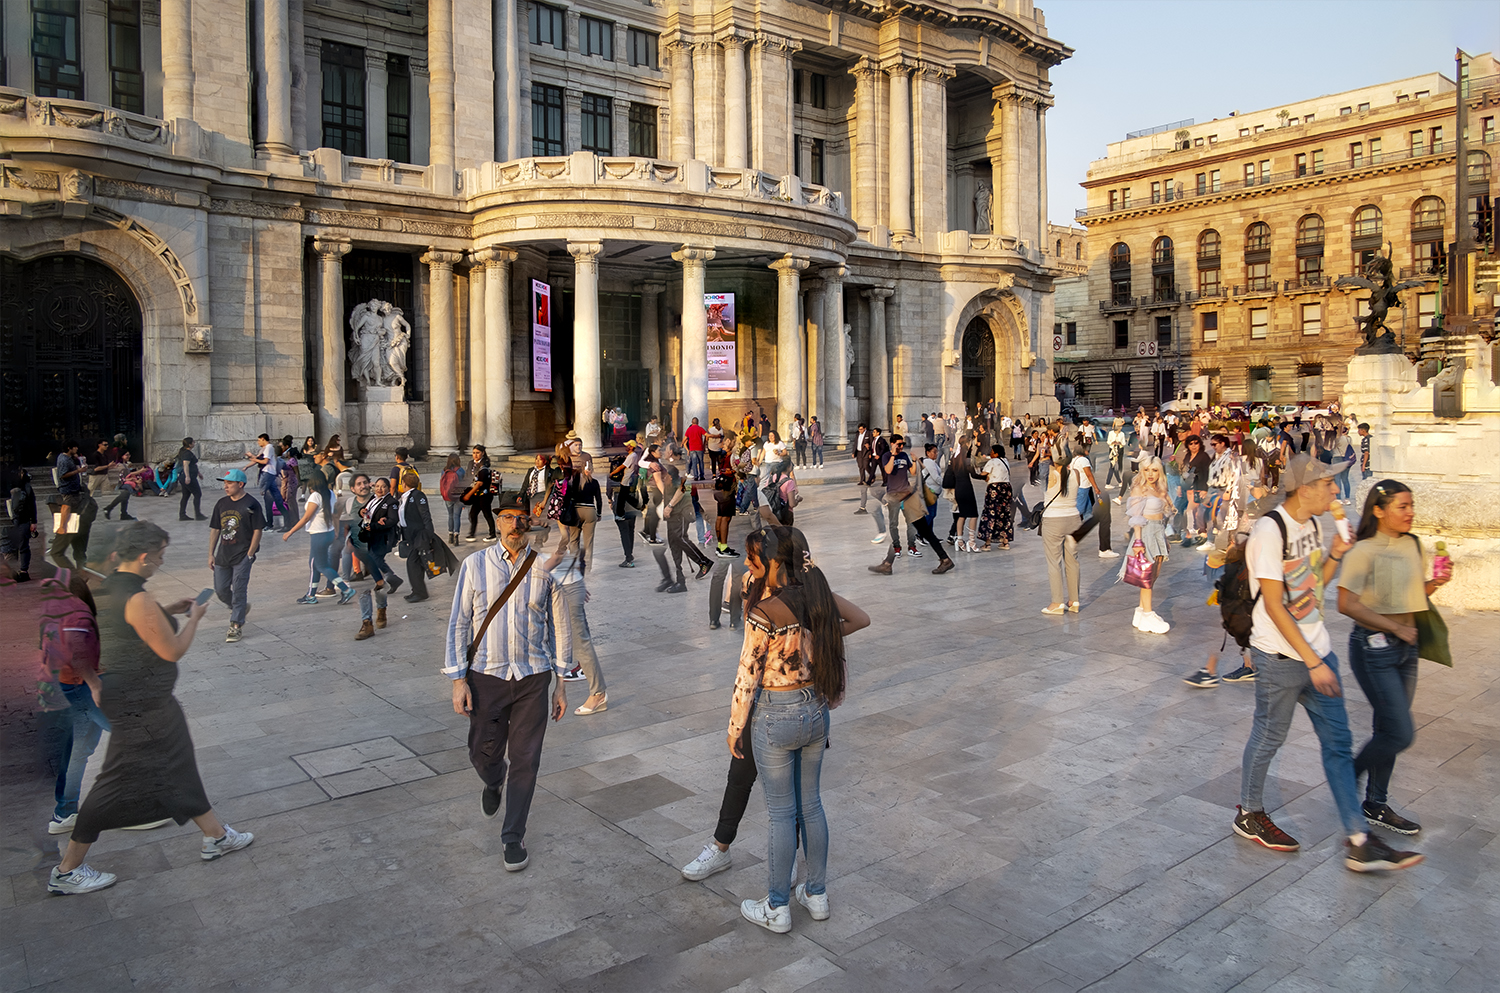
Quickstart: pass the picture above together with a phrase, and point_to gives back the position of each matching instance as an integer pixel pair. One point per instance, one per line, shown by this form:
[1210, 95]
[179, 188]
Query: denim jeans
[695, 464]
[89, 723]
[1389, 678]
[1280, 684]
[320, 556]
[1344, 492]
[789, 731]
[817, 456]
[270, 493]
[455, 516]
[232, 584]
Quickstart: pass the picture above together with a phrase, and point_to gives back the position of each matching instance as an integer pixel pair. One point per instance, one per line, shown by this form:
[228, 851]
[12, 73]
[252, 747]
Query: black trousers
[732, 572]
[923, 527]
[87, 509]
[196, 492]
[416, 572]
[481, 507]
[1099, 519]
[508, 721]
[736, 791]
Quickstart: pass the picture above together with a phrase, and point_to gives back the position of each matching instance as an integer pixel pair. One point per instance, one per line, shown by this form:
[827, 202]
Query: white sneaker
[816, 903]
[1136, 622]
[778, 919]
[879, 538]
[1109, 554]
[63, 826]
[708, 862]
[1152, 623]
[83, 879]
[232, 841]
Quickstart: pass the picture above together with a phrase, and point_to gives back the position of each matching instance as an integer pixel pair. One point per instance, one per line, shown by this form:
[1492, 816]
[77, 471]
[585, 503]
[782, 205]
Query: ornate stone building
[1215, 247]
[195, 195]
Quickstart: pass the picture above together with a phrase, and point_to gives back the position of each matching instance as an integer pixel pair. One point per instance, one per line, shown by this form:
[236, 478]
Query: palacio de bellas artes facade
[448, 222]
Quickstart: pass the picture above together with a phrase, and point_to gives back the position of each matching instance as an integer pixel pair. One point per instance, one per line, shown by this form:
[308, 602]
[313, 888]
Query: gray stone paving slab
[1017, 802]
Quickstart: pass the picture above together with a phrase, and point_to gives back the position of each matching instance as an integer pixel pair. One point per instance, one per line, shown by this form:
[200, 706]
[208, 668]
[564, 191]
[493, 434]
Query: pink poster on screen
[723, 373]
[541, 337]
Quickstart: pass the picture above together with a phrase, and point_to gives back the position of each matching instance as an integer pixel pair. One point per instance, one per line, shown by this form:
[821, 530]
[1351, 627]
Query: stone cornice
[987, 20]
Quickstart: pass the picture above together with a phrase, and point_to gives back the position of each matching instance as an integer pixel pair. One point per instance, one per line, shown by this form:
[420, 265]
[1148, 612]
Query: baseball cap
[233, 476]
[630, 443]
[1304, 469]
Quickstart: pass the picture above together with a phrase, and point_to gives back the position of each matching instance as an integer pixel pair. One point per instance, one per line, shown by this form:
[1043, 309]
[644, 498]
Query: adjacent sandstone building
[195, 195]
[1215, 247]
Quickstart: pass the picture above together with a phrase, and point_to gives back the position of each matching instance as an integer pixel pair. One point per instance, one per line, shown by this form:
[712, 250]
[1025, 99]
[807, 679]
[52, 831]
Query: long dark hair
[1380, 495]
[317, 481]
[806, 594]
[755, 545]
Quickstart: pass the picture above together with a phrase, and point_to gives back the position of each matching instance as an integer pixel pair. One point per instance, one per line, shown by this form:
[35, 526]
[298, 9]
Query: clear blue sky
[1141, 63]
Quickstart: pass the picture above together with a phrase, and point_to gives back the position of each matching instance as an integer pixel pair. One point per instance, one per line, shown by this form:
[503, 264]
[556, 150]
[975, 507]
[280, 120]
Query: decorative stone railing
[17, 107]
[329, 165]
[582, 169]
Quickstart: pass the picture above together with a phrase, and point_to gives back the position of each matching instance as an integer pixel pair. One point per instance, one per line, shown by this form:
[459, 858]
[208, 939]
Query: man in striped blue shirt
[504, 690]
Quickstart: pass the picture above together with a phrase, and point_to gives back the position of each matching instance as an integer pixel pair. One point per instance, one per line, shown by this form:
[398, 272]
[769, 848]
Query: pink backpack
[65, 620]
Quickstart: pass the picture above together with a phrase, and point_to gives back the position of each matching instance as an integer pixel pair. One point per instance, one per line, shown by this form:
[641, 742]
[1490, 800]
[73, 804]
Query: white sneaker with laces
[777, 919]
[1109, 554]
[62, 826]
[233, 841]
[1136, 622]
[816, 903]
[84, 879]
[1152, 623]
[708, 862]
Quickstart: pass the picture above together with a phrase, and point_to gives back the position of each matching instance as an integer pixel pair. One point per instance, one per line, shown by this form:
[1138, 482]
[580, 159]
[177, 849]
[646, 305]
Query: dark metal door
[70, 339]
[978, 363]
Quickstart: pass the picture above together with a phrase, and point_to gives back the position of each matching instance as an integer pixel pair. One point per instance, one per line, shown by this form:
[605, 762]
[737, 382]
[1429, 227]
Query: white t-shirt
[318, 525]
[997, 470]
[775, 451]
[1080, 463]
[1302, 572]
[268, 452]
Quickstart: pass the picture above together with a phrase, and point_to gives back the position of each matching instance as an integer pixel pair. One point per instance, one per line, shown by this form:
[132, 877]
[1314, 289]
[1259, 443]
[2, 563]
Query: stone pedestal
[384, 422]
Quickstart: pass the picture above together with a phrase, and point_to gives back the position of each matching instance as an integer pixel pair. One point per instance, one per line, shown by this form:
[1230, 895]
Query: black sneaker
[516, 858]
[704, 570]
[1244, 674]
[1202, 679]
[914, 552]
[1255, 825]
[489, 802]
[664, 585]
[1376, 856]
[1381, 815]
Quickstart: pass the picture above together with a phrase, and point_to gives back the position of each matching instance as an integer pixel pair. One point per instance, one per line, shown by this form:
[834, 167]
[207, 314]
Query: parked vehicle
[1191, 398]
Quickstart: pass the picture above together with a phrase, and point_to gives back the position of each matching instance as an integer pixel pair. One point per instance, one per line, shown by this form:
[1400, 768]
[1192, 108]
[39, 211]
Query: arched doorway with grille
[71, 342]
[977, 360]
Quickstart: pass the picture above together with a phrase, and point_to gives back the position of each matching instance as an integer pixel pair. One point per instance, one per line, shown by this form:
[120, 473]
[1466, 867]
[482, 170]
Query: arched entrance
[978, 363]
[70, 338]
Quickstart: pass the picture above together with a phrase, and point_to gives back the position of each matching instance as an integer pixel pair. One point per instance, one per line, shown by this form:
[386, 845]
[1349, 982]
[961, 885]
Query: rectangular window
[817, 90]
[1312, 318]
[1244, 132]
[642, 47]
[1122, 334]
[1125, 197]
[1309, 118]
[344, 98]
[1364, 108]
[1345, 111]
[1423, 94]
[596, 124]
[1260, 384]
[1259, 128]
[1210, 325]
[1260, 322]
[815, 158]
[1215, 181]
[1265, 170]
[1487, 130]
[1317, 162]
[56, 62]
[398, 108]
[1258, 277]
[1426, 310]
[1119, 292]
[1072, 332]
[1309, 383]
[1310, 270]
[1202, 179]
[546, 119]
[1114, 199]
[1301, 163]
[1356, 154]
[1197, 142]
[596, 37]
[1208, 282]
[1437, 140]
[547, 27]
[1119, 389]
[1418, 141]
[1374, 151]
[643, 130]
[1164, 332]
[1402, 97]
[1156, 192]
[126, 87]
[1249, 173]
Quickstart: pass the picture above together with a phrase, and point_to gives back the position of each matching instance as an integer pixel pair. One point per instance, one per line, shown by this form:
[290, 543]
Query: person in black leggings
[483, 484]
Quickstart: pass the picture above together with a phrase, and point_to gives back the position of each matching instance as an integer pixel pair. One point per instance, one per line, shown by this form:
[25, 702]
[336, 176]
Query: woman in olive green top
[1381, 588]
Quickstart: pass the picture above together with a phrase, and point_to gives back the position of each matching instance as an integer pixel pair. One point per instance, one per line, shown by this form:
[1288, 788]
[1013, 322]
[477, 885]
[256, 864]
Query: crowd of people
[518, 628]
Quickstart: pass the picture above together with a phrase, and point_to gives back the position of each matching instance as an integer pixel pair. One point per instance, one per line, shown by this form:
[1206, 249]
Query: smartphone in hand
[204, 597]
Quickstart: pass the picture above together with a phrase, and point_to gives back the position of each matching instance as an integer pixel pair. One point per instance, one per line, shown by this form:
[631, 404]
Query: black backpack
[1236, 605]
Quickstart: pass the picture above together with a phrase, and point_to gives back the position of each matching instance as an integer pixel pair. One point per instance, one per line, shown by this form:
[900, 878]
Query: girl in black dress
[150, 771]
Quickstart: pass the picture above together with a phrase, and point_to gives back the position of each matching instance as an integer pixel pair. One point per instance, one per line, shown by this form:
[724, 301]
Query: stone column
[421, 128]
[681, 99]
[377, 80]
[900, 150]
[693, 387]
[297, 63]
[833, 374]
[804, 158]
[651, 341]
[736, 115]
[332, 371]
[93, 51]
[771, 110]
[442, 403]
[176, 59]
[478, 352]
[866, 186]
[312, 95]
[812, 369]
[587, 404]
[708, 107]
[440, 91]
[1007, 203]
[929, 117]
[1041, 173]
[880, 366]
[789, 400]
[273, 89]
[497, 372]
[507, 60]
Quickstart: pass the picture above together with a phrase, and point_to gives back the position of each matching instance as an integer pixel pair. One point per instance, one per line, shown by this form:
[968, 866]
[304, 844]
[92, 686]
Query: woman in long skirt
[997, 520]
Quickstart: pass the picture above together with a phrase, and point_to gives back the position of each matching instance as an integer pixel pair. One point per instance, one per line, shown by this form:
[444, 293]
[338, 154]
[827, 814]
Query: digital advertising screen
[723, 366]
[541, 337]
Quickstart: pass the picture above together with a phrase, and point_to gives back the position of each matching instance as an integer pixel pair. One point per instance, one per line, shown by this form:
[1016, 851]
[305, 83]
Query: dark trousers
[18, 543]
[731, 572]
[923, 527]
[121, 500]
[416, 573]
[1389, 678]
[270, 492]
[679, 545]
[87, 510]
[1099, 519]
[477, 507]
[508, 721]
[736, 791]
[196, 492]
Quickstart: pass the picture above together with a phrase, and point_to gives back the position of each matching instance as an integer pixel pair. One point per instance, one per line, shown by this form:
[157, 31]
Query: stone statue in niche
[379, 340]
[984, 202]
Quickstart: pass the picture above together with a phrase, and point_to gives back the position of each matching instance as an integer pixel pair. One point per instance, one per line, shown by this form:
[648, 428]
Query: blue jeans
[695, 464]
[89, 723]
[270, 492]
[455, 516]
[232, 584]
[1344, 492]
[1389, 678]
[789, 731]
[320, 559]
[1280, 684]
[817, 456]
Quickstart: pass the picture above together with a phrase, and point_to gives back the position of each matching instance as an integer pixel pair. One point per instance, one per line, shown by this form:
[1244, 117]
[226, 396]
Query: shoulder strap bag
[1432, 630]
[500, 602]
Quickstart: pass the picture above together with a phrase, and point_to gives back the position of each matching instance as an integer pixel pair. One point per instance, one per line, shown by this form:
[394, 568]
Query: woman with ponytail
[792, 672]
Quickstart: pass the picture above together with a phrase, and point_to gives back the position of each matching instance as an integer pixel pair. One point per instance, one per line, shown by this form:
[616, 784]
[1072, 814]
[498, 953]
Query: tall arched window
[1078, 250]
[1310, 233]
[1119, 256]
[1427, 213]
[1209, 245]
[1427, 217]
[1258, 237]
[1310, 230]
[1163, 271]
[1059, 248]
[1367, 222]
[1258, 257]
[1161, 251]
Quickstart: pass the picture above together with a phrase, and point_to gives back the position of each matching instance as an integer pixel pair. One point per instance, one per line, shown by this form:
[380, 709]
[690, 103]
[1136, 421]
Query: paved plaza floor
[1016, 802]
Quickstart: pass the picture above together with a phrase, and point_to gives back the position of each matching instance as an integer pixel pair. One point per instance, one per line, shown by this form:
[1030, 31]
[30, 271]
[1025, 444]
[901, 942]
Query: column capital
[833, 273]
[375, 60]
[442, 260]
[652, 287]
[784, 46]
[418, 65]
[787, 265]
[733, 40]
[897, 66]
[585, 252]
[865, 67]
[690, 255]
[493, 258]
[313, 47]
[878, 293]
[332, 248]
[933, 70]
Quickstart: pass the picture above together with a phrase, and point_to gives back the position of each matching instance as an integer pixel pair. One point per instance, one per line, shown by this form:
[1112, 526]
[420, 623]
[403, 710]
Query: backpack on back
[1236, 604]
